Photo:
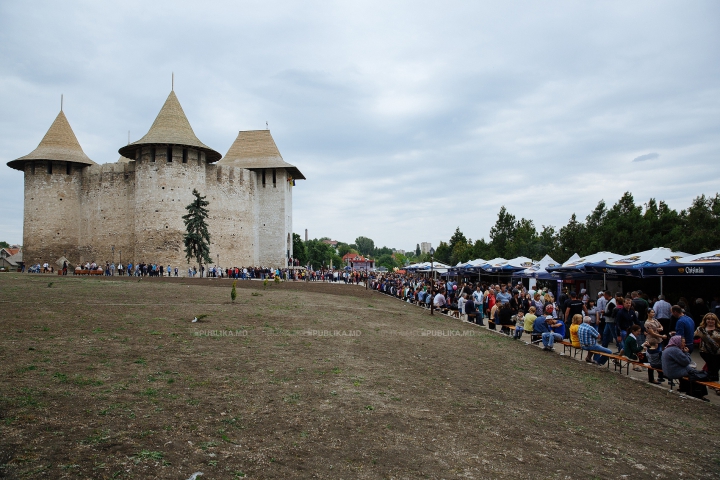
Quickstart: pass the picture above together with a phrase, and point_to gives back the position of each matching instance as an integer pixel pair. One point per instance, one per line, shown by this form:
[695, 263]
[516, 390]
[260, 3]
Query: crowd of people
[642, 329]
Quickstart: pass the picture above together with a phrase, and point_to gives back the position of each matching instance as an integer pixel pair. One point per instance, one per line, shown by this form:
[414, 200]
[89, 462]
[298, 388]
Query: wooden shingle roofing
[59, 143]
[256, 149]
[171, 127]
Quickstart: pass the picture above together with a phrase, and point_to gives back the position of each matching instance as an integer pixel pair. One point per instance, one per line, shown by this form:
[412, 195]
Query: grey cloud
[408, 121]
[647, 156]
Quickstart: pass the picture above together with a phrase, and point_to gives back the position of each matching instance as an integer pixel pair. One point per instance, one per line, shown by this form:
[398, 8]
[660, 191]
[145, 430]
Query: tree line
[624, 228]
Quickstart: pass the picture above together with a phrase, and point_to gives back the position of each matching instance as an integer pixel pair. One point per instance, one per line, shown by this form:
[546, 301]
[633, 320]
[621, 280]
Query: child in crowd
[519, 320]
[530, 320]
[654, 356]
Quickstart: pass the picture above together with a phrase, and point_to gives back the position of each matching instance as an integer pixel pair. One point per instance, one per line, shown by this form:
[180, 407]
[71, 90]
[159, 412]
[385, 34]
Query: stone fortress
[132, 210]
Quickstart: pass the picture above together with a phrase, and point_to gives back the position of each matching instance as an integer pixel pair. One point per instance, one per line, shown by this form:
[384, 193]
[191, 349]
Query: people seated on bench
[439, 301]
[545, 326]
[504, 316]
[654, 356]
[631, 346]
[676, 364]
[709, 337]
[471, 310]
[530, 320]
[588, 338]
[519, 320]
[577, 320]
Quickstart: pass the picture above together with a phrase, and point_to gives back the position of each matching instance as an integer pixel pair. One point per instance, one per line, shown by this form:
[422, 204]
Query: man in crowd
[588, 337]
[684, 326]
[610, 332]
[546, 327]
[663, 312]
[574, 306]
[503, 297]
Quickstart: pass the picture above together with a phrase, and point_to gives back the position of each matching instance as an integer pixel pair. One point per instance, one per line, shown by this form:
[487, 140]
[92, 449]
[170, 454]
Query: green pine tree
[197, 238]
[233, 292]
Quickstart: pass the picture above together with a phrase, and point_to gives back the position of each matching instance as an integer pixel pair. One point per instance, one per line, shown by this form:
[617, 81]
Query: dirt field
[108, 378]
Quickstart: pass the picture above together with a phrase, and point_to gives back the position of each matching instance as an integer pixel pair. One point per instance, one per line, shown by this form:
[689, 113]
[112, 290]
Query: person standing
[574, 306]
[663, 312]
[684, 326]
[709, 337]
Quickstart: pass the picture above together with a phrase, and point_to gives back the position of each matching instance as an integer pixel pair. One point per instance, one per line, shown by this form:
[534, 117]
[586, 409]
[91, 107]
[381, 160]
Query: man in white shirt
[439, 300]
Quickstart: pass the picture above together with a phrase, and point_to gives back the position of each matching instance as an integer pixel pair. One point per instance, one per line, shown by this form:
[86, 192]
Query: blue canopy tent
[701, 265]
[500, 266]
[539, 270]
[632, 265]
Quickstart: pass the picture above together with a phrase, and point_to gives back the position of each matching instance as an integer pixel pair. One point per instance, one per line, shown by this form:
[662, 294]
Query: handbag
[697, 375]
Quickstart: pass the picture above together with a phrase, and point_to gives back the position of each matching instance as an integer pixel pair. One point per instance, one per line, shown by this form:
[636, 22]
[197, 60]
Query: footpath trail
[107, 378]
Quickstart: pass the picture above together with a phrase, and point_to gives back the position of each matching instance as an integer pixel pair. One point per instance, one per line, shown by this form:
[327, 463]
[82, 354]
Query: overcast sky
[408, 118]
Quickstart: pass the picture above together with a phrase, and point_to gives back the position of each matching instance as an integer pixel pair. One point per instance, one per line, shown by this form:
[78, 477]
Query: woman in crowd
[676, 365]
[539, 304]
[577, 319]
[530, 319]
[709, 337]
[631, 346]
[653, 328]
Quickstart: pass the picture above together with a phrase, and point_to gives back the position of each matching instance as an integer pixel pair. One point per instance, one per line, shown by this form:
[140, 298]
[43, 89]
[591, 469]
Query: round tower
[170, 162]
[272, 180]
[52, 210]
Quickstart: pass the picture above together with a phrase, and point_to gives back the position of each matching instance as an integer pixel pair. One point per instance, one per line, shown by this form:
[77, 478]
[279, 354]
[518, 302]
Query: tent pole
[661, 285]
[604, 282]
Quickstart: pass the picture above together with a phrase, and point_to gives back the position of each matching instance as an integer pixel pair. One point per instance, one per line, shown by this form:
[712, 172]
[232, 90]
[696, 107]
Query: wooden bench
[573, 349]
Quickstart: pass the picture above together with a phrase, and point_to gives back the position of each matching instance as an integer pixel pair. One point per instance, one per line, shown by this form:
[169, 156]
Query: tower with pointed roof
[53, 173]
[131, 210]
[273, 177]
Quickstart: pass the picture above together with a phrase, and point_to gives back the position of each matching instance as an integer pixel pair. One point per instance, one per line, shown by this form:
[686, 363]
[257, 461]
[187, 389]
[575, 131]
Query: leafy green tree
[318, 253]
[417, 250]
[365, 246]
[482, 249]
[624, 227]
[548, 244]
[344, 249]
[443, 253]
[4, 245]
[524, 240]
[386, 261]
[462, 252]
[197, 237]
[400, 259]
[571, 238]
[702, 225]
[457, 238]
[502, 233]
[299, 250]
[383, 251]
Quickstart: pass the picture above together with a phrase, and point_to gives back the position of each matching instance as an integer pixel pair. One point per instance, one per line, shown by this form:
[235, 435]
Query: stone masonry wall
[137, 208]
[51, 214]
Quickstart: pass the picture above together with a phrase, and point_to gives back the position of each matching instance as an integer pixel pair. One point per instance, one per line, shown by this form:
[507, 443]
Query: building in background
[131, 210]
[425, 247]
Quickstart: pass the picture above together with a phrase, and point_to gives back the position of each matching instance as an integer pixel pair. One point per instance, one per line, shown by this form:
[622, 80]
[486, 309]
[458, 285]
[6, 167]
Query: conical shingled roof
[254, 149]
[59, 143]
[171, 127]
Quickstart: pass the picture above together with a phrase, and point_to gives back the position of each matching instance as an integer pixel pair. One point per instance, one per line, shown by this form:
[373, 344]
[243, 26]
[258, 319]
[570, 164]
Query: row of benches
[619, 362]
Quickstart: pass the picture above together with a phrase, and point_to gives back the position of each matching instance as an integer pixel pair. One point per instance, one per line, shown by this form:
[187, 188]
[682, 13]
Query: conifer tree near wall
[197, 238]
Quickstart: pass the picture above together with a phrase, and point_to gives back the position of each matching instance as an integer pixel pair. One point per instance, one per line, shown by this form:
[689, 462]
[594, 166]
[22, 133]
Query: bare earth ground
[107, 378]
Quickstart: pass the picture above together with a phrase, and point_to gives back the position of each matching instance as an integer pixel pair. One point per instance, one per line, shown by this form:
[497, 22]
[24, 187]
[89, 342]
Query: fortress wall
[107, 213]
[230, 192]
[288, 214]
[162, 191]
[51, 213]
[270, 213]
